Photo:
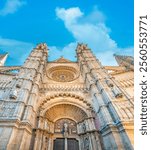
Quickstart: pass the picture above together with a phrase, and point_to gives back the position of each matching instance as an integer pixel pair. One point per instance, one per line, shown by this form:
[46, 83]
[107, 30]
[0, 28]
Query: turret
[125, 61]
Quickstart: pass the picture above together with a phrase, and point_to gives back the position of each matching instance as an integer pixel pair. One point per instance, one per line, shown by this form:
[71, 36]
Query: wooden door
[59, 144]
[73, 144]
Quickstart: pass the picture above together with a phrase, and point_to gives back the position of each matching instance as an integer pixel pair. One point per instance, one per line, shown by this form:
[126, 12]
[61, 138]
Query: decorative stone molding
[48, 98]
[62, 87]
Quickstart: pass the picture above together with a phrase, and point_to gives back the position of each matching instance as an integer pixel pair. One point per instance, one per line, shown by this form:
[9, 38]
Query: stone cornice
[62, 87]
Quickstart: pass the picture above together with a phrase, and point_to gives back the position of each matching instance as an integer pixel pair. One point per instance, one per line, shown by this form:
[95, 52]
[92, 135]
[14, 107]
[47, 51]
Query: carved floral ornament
[62, 73]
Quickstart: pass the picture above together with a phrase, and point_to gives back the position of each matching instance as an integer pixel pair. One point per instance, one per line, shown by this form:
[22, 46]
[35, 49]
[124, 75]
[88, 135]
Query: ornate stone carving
[42, 46]
[86, 143]
[84, 127]
[76, 97]
[65, 126]
[62, 87]
[7, 109]
[13, 94]
[62, 73]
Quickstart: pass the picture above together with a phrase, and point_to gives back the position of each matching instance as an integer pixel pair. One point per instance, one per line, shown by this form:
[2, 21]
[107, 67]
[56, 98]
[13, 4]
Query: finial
[41, 46]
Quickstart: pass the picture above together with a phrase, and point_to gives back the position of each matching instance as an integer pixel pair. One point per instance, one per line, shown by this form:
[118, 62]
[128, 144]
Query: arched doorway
[65, 125]
[65, 118]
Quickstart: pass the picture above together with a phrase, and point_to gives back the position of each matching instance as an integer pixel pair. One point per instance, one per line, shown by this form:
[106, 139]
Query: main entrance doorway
[63, 127]
[66, 144]
[65, 131]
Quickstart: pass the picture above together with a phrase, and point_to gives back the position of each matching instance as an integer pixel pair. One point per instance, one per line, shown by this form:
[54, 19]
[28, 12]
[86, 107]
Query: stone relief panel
[65, 125]
[7, 109]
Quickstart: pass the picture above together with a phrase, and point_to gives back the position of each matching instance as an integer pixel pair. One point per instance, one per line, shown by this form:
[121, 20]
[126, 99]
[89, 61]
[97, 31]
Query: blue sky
[106, 26]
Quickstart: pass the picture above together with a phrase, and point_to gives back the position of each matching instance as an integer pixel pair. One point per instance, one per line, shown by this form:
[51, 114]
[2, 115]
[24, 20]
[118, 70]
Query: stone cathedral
[66, 105]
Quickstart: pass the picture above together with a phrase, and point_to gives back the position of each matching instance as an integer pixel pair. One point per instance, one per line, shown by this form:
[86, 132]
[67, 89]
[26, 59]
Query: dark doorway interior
[72, 144]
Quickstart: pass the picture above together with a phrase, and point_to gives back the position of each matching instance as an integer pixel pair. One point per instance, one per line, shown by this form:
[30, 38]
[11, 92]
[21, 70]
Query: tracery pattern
[62, 73]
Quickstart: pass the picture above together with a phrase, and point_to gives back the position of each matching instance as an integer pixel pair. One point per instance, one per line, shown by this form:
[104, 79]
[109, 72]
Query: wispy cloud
[17, 50]
[11, 6]
[91, 29]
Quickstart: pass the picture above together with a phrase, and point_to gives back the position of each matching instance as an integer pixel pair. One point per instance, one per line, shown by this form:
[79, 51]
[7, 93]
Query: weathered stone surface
[82, 100]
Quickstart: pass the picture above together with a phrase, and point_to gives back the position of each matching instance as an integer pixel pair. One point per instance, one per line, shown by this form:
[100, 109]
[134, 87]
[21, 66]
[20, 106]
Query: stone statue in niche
[13, 94]
[65, 125]
[86, 143]
[65, 129]
[84, 127]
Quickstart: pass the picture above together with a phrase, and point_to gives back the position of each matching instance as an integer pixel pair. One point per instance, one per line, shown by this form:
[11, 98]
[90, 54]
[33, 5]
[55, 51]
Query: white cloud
[92, 30]
[11, 6]
[95, 34]
[17, 50]
[68, 52]
[70, 15]
[95, 16]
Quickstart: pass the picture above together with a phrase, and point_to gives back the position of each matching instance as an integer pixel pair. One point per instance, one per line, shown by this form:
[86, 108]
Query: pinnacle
[3, 58]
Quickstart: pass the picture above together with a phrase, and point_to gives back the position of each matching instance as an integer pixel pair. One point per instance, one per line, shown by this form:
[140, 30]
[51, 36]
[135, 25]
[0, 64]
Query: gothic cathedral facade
[65, 105]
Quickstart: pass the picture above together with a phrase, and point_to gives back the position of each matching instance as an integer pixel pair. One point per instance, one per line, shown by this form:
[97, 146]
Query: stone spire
[3, 59]
[125, 61]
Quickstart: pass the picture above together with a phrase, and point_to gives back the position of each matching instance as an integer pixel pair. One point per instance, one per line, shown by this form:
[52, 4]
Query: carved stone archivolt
[62, 73]
[65, 111]
[69, 97]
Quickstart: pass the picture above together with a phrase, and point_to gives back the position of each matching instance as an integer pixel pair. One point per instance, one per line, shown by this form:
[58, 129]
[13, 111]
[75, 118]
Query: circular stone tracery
[62, 73]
